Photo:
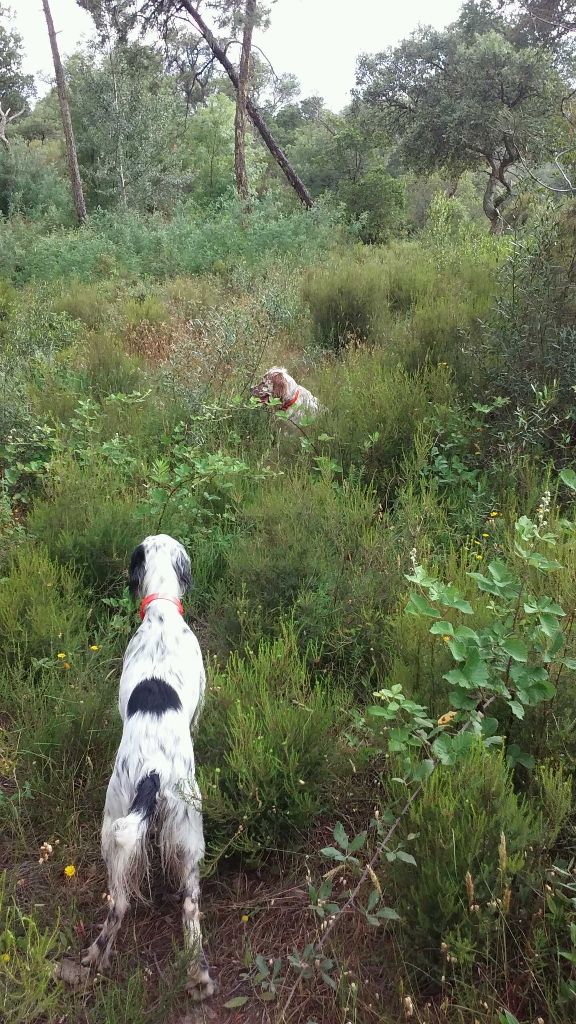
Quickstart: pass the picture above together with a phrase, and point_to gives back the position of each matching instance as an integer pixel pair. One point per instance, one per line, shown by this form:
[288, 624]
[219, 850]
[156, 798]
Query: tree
[160, 14]
[73, 170]
[16, 88]
[130, 125]
[241, 97]
[465, 95]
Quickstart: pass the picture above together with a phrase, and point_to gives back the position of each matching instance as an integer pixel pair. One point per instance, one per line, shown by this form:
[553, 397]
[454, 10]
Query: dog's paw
[72, 973]
[200, 985]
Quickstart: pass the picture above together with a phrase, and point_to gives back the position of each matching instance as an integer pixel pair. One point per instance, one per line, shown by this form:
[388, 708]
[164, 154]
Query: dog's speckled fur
[161, 692]
[277, 383]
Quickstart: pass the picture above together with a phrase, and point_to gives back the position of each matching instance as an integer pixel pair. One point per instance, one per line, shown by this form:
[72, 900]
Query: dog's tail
[127, 835]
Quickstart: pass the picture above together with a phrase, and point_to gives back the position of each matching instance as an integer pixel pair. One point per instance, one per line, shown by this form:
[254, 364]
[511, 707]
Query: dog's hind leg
[182, 844]
[98, 954]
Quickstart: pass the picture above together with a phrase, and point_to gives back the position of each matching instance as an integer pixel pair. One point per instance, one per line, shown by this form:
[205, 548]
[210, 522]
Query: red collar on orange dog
[291, 402]
[159, 597]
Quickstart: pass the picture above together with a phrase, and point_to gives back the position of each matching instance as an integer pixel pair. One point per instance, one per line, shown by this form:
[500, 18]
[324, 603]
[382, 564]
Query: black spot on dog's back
[153, 697]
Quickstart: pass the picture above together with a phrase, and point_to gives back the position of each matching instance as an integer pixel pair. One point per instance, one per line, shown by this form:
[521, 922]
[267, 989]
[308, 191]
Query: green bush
[458, 821]
[42, 610]
[346, 300]
[269, 748]
[336, 577]
[377, 200]
[375, 411]
[88, 519]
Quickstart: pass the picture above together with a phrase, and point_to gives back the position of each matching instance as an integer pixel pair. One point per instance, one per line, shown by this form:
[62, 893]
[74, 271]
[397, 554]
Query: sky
[317, 40]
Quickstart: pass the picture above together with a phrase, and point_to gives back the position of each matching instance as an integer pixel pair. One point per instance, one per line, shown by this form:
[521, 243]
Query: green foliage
[463, 95]
[376, 200]
[344, 302]
[269, 747]
[458, 822]
[41, 607]
[376, 411]
[196, 239]
[334, 578]
[27, 990]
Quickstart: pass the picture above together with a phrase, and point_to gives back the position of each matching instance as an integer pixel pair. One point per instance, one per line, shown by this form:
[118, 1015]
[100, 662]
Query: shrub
[269, 748]
[88, 519]
[345, 301]
[377, 200]
[458, 822]
[41, 607]
[375, 411]
[337, 576]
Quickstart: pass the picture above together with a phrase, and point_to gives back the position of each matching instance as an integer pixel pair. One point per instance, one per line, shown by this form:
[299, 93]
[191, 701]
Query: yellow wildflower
[447, 718]
[94, 647]
[479, 557]
[69, 871]
[61, 655]
[5, 957]
[244, 918]
[485, 534]
[446, 639]
[494, 514]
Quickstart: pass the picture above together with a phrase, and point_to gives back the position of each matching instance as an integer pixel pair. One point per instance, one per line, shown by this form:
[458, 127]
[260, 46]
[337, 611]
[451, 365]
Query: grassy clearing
[125, 411]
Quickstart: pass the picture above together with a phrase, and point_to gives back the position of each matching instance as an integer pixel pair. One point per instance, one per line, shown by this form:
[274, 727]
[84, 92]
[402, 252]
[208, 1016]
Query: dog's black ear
[137, 570]
[183, 569]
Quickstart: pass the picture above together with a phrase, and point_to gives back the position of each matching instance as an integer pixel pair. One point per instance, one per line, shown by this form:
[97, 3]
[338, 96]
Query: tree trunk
[253, 112]
[242, 93]
[73, 169]
[489, 205]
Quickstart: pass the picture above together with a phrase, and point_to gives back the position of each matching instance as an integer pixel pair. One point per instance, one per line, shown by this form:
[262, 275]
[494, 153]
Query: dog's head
[276, 383]
[159, 564]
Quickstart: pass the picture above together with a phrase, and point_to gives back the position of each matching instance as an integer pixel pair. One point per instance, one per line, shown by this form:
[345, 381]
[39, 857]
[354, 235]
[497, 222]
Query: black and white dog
[161, 691]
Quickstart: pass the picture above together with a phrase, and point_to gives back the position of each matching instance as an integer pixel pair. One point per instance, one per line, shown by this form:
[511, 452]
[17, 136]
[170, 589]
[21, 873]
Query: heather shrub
[41, 606]
[269, 747]
[336, 578]
[375, 411]
[88, 518]
[346, 299]
[475, 843]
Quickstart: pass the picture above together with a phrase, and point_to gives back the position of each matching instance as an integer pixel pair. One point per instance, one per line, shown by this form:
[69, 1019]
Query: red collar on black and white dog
[160, 597]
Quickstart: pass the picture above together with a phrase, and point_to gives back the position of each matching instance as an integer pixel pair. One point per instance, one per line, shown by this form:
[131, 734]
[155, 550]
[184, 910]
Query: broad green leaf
[515, 755]
[458, 649]
[516, 648]
[457, 678]
[330, 851]
[516, 708]
[341, 836]
[406, 857]
[236, 1002]
[418, 605]
[568, 477]
[373, 899]
[475, 669]
[358, 842]
[442, 628]
[387, 914]
[549, 624]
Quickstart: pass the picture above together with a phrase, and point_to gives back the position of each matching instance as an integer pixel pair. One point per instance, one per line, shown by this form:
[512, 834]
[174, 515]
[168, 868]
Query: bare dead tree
[251, 109]
[73, 169]
[241, 97]
[5, 119]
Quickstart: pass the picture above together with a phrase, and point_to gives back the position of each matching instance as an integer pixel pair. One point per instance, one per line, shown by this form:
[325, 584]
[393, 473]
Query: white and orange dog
[294, 399]
[161, 692]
